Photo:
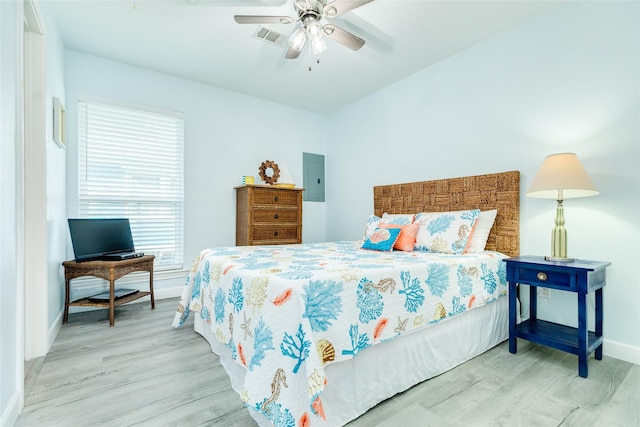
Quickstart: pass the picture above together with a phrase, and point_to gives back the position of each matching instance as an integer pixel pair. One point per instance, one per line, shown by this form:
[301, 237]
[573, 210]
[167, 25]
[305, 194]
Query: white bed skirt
[383, 370]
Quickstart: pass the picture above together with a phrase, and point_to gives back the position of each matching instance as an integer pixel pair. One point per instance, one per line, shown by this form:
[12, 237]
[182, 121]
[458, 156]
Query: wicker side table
[111, 271]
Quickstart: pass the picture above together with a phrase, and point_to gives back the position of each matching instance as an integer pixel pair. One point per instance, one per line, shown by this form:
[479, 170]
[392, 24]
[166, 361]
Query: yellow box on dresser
[268, 215]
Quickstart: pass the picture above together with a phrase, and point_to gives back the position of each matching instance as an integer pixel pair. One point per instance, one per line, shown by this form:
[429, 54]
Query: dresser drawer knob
[276, 216]
[276, 198]
[542, 276]
[275, 233]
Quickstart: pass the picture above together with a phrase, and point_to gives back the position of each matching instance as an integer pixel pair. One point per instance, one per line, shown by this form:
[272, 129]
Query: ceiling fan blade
[261, 19]
[338, 7]
[292, 53]
[341, 36]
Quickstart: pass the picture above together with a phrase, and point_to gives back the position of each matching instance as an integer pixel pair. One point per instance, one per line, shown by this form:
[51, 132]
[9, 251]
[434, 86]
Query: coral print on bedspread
[285, 312]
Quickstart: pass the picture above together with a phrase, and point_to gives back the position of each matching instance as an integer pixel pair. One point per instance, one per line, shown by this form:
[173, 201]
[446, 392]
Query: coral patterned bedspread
[285, 312]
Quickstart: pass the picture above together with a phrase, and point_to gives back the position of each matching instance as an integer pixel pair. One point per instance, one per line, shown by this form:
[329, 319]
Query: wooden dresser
[267, 215]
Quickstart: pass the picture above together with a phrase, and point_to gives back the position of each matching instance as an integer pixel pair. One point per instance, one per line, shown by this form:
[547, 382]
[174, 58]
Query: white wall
[56, 173]
[10, 211]
[567, 80]
[227, 135]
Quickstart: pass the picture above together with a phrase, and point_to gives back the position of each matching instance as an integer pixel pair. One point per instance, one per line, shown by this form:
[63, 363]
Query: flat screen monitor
[93, 238]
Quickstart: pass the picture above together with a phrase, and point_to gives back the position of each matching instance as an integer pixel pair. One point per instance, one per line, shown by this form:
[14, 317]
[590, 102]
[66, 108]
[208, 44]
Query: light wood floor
[143, 372]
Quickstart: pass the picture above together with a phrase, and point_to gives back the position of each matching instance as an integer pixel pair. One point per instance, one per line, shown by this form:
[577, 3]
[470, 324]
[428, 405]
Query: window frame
[98, 193]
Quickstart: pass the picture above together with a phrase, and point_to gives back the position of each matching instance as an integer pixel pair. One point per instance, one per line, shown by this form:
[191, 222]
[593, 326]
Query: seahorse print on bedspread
[369, 301]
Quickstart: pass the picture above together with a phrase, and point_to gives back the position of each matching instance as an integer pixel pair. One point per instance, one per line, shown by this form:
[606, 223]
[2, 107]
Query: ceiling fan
[310, 14]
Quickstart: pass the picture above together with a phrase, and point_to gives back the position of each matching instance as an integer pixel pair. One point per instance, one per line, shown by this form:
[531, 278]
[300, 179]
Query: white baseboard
[10, 415]
[88, 284]
[54, 329]
[621, 351]
[164, 293]
[158, 294]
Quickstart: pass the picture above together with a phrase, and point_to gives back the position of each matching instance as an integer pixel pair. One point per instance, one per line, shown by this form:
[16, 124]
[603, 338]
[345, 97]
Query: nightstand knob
[276, 216]
[542, 276]
[276, 199]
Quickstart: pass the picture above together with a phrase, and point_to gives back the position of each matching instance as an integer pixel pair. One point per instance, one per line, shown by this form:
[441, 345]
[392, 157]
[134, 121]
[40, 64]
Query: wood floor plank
[624, 406]
[143, 372]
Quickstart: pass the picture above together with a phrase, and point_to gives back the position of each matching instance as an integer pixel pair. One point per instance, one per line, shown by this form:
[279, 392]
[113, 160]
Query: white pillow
[398, 219]
[478, 239]
[444, 232]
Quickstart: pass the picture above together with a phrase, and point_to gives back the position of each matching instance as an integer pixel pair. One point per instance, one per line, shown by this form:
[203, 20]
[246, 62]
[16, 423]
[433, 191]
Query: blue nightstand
[579, 276]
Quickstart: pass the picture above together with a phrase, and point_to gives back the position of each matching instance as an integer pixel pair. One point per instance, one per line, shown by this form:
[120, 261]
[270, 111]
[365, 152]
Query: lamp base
[559, 259]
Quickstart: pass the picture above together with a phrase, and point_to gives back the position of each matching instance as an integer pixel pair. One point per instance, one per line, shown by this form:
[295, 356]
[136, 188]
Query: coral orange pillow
[407, 238]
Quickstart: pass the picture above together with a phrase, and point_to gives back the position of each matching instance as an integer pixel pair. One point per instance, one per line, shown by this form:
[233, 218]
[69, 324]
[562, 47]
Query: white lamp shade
[561, 176]
[315, 31]
[298, 39]
[318, 46]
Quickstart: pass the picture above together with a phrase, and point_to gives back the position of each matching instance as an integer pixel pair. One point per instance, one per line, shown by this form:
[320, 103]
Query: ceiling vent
[269, 36]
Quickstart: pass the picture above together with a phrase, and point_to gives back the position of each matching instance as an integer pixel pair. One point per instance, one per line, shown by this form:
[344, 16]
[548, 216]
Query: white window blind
[130, 165]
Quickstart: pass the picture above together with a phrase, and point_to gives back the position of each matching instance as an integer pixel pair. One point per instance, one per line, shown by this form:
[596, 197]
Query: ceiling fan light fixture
[311, 15]
[298, 39]
[318, 46]
[314, 29]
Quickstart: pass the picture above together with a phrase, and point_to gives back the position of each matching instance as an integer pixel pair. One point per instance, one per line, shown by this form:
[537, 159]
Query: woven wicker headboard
[492, 191]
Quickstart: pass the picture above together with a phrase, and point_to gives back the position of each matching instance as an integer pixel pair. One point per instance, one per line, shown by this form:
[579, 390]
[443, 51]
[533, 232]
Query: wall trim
[159, 294]
[35, 199]
[137, 278]
[166, 293]
[54, 329]
[621, 351]
[11, 412]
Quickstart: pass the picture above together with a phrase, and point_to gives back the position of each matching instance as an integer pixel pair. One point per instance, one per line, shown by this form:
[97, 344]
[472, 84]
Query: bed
[316, 334]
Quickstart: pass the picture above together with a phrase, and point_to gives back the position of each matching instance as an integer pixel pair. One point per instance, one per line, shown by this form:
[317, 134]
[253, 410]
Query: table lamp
[561, 176]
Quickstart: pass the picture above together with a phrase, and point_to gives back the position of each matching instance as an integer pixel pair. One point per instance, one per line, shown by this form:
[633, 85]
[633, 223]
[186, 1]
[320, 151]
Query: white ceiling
[199, 40]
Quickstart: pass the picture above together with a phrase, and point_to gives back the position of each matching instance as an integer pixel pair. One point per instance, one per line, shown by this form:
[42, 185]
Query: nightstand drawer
[266, 196]
[545, 277]
[275, 216]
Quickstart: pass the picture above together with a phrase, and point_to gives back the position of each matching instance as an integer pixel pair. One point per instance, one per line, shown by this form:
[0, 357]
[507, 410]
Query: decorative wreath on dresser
[269, 172]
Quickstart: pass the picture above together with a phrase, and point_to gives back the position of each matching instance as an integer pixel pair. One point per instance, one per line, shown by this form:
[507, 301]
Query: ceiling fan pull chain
[317, 62]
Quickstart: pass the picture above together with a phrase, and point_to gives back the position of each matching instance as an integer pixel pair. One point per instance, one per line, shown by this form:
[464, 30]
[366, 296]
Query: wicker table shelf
[111, 271]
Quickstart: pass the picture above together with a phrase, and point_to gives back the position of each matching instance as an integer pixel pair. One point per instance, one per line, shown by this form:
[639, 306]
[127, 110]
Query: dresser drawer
[275, 233]
[536, 275]
[266, 196]
[275, 216]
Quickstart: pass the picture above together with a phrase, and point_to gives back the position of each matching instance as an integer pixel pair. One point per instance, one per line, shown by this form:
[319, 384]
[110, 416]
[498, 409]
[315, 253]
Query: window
[130, 165]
